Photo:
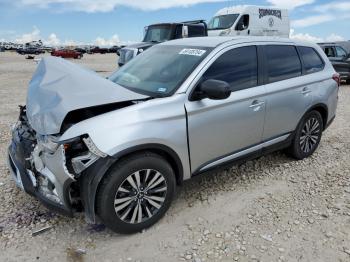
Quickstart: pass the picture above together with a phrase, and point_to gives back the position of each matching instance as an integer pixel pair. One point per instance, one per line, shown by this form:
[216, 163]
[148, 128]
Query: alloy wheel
[140, 196]
[310, 135]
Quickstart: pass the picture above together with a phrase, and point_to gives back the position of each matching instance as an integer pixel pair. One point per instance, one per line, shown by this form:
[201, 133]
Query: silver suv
[117, 148]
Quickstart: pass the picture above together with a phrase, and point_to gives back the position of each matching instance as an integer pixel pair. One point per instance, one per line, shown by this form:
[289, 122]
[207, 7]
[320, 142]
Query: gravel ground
[269, 209]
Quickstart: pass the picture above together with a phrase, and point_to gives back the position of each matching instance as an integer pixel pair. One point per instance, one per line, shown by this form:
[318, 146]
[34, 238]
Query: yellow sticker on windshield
[195, 52]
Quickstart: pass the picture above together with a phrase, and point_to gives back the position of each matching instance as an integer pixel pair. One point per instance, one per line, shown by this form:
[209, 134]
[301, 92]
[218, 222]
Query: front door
[218, 129]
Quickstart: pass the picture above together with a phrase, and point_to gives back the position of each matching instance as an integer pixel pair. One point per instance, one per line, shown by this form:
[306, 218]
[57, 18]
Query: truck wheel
[348, 81]
[307, 136]
[135, 193]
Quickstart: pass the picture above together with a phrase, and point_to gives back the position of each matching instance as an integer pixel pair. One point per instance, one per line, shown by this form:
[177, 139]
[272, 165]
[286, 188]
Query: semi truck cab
[158, 33]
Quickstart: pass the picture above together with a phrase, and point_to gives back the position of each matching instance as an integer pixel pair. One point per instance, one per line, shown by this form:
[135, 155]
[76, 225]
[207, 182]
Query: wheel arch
[91, 178]
[169, 154]
[323, 110]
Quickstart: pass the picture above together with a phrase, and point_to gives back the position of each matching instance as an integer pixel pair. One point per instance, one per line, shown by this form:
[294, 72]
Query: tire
[140, 169]
[348, 81]
[307, 136]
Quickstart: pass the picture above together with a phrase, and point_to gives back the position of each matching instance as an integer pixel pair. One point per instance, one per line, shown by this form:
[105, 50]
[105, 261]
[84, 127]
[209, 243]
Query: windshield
[159, 33]
[222, 21]
[160, 70]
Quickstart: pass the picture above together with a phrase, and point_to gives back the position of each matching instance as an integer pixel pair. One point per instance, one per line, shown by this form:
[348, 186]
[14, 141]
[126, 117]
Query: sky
[110, 22]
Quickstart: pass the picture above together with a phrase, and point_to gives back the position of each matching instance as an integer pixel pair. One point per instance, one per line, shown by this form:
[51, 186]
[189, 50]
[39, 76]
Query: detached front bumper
[50, 185]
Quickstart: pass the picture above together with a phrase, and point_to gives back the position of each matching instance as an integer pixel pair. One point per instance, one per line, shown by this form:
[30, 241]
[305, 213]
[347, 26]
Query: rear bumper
[27, 180]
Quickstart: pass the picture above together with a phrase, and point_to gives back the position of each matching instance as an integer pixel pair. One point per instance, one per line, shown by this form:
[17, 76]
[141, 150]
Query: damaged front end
[49, 169]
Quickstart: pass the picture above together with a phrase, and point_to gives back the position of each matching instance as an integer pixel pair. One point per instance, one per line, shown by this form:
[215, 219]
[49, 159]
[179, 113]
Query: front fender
[158, 121]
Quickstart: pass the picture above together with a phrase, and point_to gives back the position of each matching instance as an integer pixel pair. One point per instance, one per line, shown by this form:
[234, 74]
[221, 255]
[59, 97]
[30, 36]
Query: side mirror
[184, 31]
[212, 89]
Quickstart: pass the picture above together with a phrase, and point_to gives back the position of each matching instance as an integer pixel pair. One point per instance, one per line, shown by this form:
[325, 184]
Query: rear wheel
[307, 136]
[136, 193]
[348, 81]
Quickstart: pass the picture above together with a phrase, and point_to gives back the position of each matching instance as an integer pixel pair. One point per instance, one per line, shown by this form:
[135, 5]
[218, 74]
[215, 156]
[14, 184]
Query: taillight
[336, 78]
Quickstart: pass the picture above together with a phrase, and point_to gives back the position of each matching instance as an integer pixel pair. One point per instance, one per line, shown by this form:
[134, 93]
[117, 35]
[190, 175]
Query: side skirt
[247, 157]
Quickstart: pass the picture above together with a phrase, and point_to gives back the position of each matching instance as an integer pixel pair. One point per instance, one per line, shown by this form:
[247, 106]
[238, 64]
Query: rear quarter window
[312, 61]
[282, 62]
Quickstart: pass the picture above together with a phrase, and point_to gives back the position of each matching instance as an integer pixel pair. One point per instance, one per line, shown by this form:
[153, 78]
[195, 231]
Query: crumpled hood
[59, 87]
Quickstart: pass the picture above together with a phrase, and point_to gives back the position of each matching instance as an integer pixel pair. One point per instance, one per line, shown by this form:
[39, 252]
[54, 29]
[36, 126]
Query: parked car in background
[158, 33]
[339, 58]
[99, 50]
[30, 51]
[115, 49]
[97, 144]
[66, 53]
[250, 20]
[80, 50]
[121, 47]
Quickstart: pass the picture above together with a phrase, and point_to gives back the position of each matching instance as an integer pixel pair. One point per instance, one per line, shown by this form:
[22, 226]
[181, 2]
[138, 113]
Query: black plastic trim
[261, 63]
[249, 156]
[329, 123]
[89, 182]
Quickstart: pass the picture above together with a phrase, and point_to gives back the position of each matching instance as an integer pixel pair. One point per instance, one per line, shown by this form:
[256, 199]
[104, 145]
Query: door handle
[305, 91]
[256, 103]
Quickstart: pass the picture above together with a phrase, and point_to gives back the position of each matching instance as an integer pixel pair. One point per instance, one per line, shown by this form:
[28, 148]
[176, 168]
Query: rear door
[288, 95]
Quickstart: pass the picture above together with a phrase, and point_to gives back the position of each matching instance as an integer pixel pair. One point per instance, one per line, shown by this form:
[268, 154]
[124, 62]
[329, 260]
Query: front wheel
[136, 193]
[307, 136]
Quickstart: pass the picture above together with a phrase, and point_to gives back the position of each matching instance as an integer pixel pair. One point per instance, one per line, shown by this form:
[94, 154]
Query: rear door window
[282, 62]
[311, 59]
[238, 67]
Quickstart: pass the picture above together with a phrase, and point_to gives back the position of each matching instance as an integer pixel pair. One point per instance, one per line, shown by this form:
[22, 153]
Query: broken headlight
[81, 153]
[93, 148]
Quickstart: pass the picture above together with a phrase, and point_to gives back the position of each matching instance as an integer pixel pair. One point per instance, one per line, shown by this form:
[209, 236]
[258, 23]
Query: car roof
[213, 42]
